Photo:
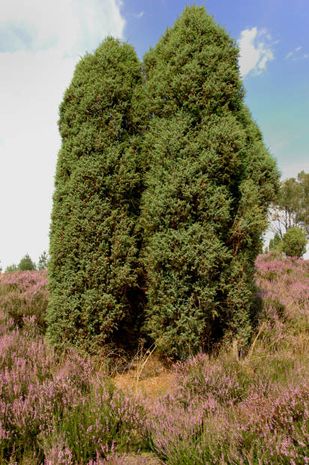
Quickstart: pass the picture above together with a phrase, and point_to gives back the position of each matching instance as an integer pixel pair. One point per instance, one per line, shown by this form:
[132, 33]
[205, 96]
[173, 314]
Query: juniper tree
[208, 185]
[182, 219]
[93, 270]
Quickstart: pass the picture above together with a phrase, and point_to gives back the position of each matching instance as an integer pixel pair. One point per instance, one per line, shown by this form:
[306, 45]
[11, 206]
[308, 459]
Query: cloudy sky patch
[41, 42]
[255, 51]
[297, 53]
[66, 25]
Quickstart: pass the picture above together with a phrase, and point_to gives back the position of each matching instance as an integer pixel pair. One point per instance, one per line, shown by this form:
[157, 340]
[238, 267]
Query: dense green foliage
[291, 207]
[43, 261]
[275, 244]
[303, 213]
[208, 186]
[93, 250]
[291, 211]
[26, 264]
[162, 189]
[294, 242]
[11, 268]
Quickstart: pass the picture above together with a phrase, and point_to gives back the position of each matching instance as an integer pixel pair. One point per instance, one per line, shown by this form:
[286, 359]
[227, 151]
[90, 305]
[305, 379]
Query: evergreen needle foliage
[93, 249]
[208, 185]
[26, 264]
[294, 242]
[162, 189]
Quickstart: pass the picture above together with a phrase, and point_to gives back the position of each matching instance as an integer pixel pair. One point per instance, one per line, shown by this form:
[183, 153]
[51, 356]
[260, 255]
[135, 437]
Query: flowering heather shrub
[92, 427]
[59, 454]
[275, 428]
[289, 286]
[34, 394]
[253, 411]
[24, 294]
[169, 423]
[203, 388]
[55, 409]
[60, 410]
[126, 459]
[263, 429]
[224, 381]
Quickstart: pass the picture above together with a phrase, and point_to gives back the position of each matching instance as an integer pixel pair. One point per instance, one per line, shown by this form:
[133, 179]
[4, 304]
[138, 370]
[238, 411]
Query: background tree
[292, 204]
[209, 181]
[294, 242]
[26, 264]
[43, 261]
[11, 268]
[303, 212]
[93, 272]
[275, 244]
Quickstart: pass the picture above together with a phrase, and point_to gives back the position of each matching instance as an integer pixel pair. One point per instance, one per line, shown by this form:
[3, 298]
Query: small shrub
[43, 261]
[24, 295]
[226, 382]
[275, 244]
[106, 417]
[11, 268]
[271, 275]
[26, 264]
[55, 410]
[294, 242]
[274, 308]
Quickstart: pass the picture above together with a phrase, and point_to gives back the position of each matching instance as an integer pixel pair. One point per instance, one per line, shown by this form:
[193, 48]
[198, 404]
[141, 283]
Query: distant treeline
[27, 264]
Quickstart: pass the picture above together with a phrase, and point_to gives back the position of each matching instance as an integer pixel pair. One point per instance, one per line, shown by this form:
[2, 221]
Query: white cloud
[255, 51]
[32, 81]
[139, 15]
[63, 24]
[297, 54]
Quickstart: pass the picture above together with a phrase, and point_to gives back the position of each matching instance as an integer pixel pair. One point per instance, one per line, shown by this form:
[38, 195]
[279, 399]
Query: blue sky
[278, 97]
[41, 42]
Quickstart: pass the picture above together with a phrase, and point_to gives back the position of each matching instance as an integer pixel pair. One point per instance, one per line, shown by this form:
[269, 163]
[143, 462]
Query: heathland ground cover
[230, 408]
